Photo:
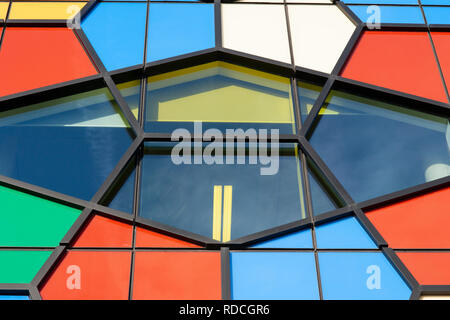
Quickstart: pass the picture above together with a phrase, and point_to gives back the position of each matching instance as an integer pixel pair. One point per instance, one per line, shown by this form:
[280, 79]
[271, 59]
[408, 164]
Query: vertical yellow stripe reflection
[217, 213]
[227, 207]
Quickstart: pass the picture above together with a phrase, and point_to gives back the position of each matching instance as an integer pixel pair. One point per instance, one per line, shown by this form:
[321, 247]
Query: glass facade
[195, 150]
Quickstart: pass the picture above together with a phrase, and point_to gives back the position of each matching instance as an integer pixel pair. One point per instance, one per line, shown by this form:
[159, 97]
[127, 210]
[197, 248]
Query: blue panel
[117, 33]
[416, 2]
[345, 233]
[124, 198]
[360, 276]
[436, 2]
[179, 28]
[437, 15]
[297, 240]
[391, 14]
[273, 276]
[320, 201]
[14, 297]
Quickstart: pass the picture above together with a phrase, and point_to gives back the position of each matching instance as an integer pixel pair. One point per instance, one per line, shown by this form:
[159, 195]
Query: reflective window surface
[221, 95]
[375, 148]
[69, 145]
[307, 96]
[222, 202]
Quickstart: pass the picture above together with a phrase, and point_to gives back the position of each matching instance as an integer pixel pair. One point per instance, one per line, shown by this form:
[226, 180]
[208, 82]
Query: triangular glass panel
[345, 233]
[296, 240]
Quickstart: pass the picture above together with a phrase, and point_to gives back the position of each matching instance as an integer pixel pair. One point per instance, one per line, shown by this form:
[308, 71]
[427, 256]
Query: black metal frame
[308, 156]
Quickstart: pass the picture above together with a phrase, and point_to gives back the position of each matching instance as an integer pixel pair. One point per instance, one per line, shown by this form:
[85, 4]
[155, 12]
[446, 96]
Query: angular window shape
[360, 276]
[20, 266]
[296, 240]
[121, 194]
[29, 221]
[33, 58]
[119, 45]
[220, 95]
[179, 28]
[417, 223]
[102, 232]
[221, 201]
[273, 276]
[383, 58]
[318, 43]
[435, 2]
[307, 96]
[437, 15]
[131, 92]
[256, 29]
[346, 233]
[428, 268]
[90, 275]
[389, 14]
[69, 145]
[45, 10]
[174, 275]
[375, 148]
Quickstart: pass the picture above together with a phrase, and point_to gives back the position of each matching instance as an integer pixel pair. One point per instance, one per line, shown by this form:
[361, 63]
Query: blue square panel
[179, 28]
[437, 15]
[360, 276]
[13, 297]
[389, 14]
[117, 33]
[273, 276]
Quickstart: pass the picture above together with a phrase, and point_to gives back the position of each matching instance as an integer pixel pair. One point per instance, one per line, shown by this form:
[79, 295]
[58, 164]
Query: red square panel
[419, 223]
[429, 268]
[177, 276]
[32, 58]
[401, 61]
[94, 275]
[442, 44]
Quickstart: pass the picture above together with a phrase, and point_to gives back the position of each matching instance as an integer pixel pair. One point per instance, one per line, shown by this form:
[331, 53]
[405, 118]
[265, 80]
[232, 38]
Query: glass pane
[221, 95]
[29, 221]
[321, 202]
[375, 148]
[273, 276]
[131, 92]
[20, 266]
[346, 233]
[354, 276]
[307, 95]
[179, 28]
[390, 14]
[221, 201]
[437, 15]
[121, 196]
[69, 145]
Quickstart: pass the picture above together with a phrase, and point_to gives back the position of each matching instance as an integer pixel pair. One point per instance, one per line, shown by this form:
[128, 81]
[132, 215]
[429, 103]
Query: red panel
[149, 239]
[103, 275]
[429, 268]
[442, 44]
[32, 58]
[177, 275]
[103, 232]
[422, 222]
[402, 61]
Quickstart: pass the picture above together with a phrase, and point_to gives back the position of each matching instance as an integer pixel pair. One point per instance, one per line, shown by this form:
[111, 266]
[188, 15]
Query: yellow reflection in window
[220, 92]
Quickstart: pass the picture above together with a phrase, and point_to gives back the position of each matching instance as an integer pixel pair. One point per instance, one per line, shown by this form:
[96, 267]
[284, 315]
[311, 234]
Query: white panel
[435, 297]
[319, 35]
[257, 29]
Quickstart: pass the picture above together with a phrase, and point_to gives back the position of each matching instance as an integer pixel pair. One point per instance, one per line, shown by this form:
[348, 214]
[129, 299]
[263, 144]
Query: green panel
[29, 221]
[21, 266]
